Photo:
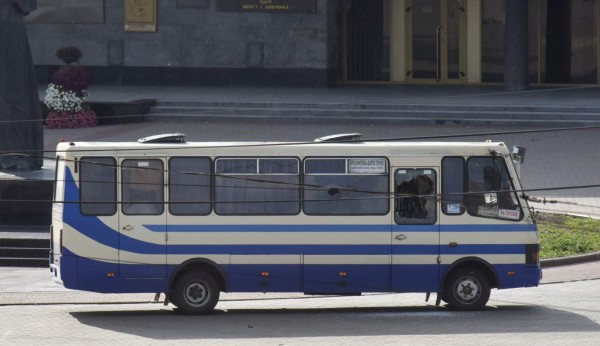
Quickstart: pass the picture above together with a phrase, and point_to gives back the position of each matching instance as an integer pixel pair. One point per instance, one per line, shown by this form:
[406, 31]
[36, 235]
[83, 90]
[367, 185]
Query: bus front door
[142, 219]
[415, 230]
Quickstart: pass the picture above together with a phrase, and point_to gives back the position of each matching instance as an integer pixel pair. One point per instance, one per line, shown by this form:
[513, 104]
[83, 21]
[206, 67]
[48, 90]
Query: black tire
[467, 289]
[195, 293]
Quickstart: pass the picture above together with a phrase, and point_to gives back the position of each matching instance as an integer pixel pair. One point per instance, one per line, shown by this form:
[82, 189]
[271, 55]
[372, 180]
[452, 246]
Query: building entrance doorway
[414, 41]
[435, 38]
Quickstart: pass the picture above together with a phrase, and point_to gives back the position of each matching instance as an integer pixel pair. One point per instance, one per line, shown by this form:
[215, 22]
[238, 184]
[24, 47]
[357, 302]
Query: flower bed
[66, 93]
[70, 120]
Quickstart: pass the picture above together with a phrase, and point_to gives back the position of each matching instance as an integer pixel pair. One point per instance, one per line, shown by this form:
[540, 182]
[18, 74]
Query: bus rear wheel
[195, 293]
[467, 289]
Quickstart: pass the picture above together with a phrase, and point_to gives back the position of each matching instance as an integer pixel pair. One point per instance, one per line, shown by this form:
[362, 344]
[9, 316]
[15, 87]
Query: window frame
[346, 169]
[216, 175]
[512, 184]
[463, 207]
[435, 188]
[211, 170]
[123, 183]
[80, 164]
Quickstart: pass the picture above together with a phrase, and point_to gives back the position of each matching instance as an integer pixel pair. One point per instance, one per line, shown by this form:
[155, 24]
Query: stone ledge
[115, 113]
[555, 262]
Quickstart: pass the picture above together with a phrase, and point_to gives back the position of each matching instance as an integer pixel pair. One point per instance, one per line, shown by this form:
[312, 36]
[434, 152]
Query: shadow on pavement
[330, 322]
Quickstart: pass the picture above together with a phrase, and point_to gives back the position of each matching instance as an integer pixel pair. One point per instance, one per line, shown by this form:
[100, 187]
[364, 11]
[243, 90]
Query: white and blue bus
[192, 220]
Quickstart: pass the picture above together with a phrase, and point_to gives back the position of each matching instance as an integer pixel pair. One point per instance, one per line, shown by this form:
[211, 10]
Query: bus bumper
[533, 276]
[55, 270]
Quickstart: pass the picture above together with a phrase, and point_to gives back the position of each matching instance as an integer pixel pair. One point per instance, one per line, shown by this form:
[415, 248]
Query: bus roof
[370, 148]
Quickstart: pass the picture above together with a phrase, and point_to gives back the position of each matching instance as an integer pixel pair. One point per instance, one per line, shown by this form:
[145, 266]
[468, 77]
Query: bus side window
[257, 186]
[453, 185]
[189, 185]
[98, 186]
[346, 186]
[490, 190]
[142, 187]
[415, 196]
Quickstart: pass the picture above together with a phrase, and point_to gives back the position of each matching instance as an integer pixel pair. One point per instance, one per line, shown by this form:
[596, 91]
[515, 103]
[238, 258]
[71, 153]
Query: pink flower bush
[66, 93]
[71, 120]
[73, 78]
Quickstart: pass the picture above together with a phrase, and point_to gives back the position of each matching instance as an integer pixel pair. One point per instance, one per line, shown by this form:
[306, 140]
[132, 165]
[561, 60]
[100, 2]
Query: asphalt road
[562, 311]
[554, 314]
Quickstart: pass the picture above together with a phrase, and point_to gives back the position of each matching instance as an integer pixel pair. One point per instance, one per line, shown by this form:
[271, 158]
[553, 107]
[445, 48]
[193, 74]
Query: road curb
[555, 262]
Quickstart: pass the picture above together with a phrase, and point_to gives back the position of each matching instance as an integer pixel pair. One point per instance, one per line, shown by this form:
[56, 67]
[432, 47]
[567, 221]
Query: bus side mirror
[518, 154]
[518, 157]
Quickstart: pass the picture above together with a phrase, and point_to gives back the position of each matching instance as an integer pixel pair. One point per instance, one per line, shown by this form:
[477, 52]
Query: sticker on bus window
[366, 166]
[509, 214]
[487, 211]
[453, 209]
[143, 164]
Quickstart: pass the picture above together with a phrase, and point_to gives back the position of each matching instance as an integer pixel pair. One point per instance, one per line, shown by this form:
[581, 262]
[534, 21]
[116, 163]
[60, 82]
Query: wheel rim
[196, 294]
[467, 290]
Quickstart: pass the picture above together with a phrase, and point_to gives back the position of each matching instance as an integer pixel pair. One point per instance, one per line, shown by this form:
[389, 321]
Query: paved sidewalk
[574, 272]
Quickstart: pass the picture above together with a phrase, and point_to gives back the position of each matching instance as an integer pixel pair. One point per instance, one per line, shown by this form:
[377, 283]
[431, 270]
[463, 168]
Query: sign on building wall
[267, 5]
[140, 15]
[68, 12]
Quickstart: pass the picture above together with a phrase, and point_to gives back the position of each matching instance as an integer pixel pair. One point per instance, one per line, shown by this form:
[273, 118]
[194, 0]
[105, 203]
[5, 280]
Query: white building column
[398, 41]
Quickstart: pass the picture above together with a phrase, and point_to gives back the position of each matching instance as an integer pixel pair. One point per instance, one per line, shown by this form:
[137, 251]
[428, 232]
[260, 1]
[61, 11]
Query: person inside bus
[493, 184]
[411, 197]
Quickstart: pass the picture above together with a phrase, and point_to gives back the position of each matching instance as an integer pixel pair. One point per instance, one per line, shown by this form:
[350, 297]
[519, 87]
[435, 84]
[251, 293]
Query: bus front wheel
[467, 289]
[195, 293]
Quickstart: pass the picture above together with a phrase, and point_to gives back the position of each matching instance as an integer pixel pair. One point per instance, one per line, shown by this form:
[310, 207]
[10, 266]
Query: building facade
[318, 43]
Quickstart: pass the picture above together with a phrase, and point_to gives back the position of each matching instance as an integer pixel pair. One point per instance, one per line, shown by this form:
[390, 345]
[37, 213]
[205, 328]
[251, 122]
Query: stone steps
[19, 249]
[376, 113]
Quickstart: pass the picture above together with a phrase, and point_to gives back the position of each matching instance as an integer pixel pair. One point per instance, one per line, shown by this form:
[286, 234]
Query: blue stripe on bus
[487, 249]
[307, 249]
[338, 228]
[267, 228]
[488, 228]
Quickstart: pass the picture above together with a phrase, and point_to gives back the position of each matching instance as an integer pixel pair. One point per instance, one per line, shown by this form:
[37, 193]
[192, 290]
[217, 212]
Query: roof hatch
[340, 137]
[164, 138]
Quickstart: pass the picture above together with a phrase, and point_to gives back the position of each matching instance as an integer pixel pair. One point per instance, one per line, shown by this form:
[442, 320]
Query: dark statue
[21, 122]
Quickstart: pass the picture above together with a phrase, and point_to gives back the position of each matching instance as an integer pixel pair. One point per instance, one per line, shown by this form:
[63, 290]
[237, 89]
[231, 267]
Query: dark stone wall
[26, 203]
[195, 44]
